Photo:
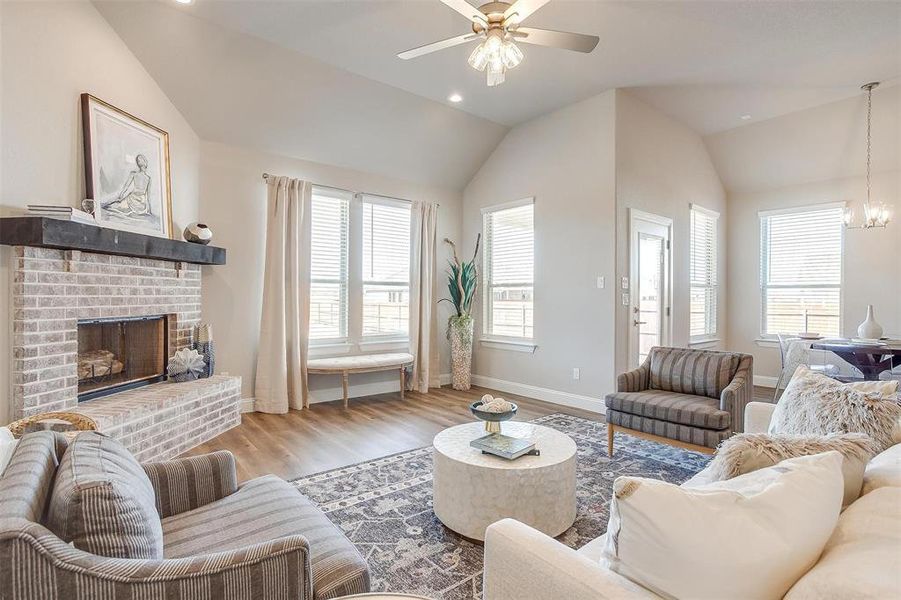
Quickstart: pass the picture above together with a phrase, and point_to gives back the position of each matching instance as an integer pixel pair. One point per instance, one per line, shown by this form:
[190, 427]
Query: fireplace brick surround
[53, 289]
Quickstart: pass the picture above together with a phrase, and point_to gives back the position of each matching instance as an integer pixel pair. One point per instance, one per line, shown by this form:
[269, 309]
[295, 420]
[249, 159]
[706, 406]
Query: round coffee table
[472, 490]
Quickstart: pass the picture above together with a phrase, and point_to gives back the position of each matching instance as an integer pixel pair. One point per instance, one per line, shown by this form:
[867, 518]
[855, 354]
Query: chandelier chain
[869, 119]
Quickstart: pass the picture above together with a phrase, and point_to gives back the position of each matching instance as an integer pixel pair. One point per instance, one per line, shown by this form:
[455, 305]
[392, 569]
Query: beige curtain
[423, 313]
[281, 377]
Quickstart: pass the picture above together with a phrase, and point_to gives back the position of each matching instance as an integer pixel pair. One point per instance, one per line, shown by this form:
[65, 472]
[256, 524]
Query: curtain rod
[266, 177]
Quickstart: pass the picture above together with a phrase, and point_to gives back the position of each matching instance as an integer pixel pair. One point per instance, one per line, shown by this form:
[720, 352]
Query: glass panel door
[648, 308]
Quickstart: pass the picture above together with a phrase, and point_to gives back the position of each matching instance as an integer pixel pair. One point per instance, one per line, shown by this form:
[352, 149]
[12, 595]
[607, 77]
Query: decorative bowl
[492, 419]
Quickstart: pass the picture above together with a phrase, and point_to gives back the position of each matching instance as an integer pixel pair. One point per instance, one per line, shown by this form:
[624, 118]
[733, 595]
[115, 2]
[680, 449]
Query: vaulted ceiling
[281, 74]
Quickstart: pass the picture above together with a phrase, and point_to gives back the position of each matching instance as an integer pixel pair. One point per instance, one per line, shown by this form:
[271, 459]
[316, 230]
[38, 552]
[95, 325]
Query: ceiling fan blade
[435, 46]
[522, 9]
[556, 39]
[466, 9]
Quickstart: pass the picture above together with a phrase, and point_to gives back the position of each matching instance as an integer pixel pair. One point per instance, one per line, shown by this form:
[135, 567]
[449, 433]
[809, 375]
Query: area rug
[385, 507]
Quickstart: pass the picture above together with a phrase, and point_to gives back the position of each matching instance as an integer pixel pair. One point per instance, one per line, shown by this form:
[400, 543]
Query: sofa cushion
[103, 501]
[862, 558]
[27, 480]
[263, 509]
[699, 436]
[697, 372]
[813, 404]
[883, 471]
[748, 452]
[685, 409]
[752, 536]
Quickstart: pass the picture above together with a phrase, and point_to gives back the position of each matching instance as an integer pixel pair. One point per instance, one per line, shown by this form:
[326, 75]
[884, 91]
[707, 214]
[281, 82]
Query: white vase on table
[870, 329]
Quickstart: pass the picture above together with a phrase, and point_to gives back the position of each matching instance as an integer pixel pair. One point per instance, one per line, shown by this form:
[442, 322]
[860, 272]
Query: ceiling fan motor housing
[494, 14]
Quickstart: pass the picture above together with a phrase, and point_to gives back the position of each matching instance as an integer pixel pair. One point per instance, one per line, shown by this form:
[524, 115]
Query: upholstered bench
[363, 363]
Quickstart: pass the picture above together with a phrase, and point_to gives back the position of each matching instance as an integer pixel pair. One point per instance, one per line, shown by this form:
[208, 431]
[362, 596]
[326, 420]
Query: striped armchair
[693, 399]
[219, 541]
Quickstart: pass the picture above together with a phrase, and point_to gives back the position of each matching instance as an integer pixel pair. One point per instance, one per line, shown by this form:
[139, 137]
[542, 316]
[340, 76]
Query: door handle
[637, 323]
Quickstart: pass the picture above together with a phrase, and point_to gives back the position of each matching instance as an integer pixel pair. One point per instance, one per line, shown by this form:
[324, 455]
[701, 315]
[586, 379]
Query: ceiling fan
[497, 25]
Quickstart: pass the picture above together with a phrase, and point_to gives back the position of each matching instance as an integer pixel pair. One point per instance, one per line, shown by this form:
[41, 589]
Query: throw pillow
[752, 536]
[747, 452]
[103, 501]
[813, 404]
[862, 559]
[7, 447]
[883, 471]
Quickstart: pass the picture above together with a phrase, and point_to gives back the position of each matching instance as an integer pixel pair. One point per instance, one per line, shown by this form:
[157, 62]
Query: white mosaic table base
[473, 490]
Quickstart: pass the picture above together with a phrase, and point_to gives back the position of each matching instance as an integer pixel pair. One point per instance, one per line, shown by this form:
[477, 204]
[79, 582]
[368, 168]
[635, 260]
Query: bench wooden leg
[403, 381]
[344, 386]
[610, 432]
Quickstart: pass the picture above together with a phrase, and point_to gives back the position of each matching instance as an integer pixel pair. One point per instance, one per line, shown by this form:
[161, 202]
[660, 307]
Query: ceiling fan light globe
[478, 60]
[511, 55]
[495, 41]
[495, 77]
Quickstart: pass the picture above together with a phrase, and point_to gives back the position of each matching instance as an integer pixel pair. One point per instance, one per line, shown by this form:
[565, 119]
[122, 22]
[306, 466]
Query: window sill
[767, 343]
[329, 349]
[385, 344]
[514, 345]
[705, 343]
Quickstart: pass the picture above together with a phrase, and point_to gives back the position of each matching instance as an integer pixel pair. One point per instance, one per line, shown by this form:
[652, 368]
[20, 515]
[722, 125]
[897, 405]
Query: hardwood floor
[327, 436]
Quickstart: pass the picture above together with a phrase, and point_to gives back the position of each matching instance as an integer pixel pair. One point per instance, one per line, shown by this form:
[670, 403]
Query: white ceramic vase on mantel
[869, 329]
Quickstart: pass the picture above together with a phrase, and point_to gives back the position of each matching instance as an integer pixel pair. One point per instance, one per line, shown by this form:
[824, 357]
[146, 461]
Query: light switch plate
[601, 283]
[625, 283]
[626, 299]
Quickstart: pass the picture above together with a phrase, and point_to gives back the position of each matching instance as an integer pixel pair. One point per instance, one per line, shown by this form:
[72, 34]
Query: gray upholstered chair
[693, 399]
[212, 539]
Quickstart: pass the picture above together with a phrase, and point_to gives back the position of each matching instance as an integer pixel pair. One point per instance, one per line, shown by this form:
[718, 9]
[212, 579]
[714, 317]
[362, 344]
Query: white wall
[51, 53]
[662, 167]
[566, 161]
[234, 205]
[811, 157]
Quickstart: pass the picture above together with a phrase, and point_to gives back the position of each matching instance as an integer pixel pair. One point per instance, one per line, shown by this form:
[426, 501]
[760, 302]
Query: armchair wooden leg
[610, 433]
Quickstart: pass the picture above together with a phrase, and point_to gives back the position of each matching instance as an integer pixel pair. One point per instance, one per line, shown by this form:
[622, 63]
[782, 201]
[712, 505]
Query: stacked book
[504, 446]
[65, 213]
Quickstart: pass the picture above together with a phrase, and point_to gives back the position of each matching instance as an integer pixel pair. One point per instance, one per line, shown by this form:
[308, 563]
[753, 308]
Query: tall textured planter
[459, 330]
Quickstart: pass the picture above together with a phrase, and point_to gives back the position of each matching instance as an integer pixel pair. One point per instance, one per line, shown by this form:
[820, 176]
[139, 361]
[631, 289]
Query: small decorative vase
[203, 343]
[870, 329]
[186, 365]
[459, 331]
[198, 233]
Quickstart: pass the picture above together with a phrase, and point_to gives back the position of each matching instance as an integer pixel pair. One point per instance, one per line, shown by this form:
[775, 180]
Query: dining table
[870, 358]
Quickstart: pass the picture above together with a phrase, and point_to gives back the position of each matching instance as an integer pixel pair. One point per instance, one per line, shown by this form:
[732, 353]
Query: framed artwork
[126, 162]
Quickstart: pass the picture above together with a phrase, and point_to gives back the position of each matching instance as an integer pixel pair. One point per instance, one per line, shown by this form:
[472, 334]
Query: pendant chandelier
[874, 214]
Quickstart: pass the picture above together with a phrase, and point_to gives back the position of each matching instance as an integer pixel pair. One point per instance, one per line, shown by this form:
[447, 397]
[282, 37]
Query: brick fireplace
[56, 290]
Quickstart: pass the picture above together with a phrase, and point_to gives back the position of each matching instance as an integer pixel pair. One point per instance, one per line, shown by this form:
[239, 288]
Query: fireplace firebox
[119, 354]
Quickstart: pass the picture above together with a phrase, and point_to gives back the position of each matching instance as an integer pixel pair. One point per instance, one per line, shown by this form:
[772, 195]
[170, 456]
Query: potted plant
[462, 283]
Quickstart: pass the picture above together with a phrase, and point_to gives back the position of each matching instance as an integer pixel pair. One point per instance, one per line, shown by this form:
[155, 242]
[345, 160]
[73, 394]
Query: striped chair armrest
[187, 483]
[740, 391]
[636, 380]
[277, 570]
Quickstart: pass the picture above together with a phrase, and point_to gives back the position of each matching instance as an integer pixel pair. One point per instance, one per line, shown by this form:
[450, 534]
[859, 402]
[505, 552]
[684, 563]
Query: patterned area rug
[385, 507]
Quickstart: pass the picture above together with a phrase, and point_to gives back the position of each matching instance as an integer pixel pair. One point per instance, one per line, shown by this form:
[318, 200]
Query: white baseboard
[765, 381]
[247, 405]
[540, 393]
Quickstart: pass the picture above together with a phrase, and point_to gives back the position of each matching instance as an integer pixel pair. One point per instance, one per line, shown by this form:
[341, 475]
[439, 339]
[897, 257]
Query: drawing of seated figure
[134, 199]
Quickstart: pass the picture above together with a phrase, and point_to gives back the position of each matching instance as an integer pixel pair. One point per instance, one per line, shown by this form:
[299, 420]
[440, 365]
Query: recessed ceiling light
[455, 98]
[746, 117]
[185, 1]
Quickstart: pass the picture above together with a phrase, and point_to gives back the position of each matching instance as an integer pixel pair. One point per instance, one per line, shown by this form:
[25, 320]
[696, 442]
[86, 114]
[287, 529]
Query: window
[386, 267]
[801, 270]
[702, 273]
[329, 221]
[359, 268]
[508, 269]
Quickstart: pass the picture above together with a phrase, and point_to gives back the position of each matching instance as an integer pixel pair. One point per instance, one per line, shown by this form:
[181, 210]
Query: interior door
[649, 310]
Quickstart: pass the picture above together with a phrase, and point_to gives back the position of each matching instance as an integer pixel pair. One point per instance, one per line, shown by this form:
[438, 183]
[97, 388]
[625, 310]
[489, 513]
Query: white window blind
[386, 266]
[801, 270]
[702, 273]
[329, 220]
[508, 270]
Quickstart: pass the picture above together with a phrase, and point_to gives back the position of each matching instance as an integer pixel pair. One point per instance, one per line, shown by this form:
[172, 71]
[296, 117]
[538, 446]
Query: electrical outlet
[625, 283]
[626, 299]
[577, 372]
[601, 283]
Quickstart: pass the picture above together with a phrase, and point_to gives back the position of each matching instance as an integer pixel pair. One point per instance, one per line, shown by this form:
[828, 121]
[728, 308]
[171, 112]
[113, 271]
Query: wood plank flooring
[327, 436]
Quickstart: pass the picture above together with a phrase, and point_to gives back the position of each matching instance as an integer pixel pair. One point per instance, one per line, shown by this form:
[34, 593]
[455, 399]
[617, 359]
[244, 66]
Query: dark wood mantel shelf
[44, 232]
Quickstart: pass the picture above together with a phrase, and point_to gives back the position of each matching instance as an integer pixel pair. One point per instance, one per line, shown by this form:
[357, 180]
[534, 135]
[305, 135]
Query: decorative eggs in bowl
[493, 410]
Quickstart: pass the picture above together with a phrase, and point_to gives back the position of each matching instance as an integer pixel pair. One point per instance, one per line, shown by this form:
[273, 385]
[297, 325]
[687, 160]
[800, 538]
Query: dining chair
[794, 352]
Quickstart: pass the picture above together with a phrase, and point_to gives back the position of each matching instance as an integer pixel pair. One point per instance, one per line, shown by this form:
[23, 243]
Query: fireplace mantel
[44, 232]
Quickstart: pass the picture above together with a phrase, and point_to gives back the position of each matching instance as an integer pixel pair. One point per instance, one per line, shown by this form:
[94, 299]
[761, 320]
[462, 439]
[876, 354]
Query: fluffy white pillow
[752, 536]
[7, 447]
[813, 404]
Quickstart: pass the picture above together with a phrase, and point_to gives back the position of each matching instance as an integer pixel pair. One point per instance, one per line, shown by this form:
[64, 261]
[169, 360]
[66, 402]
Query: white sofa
[861, 560]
